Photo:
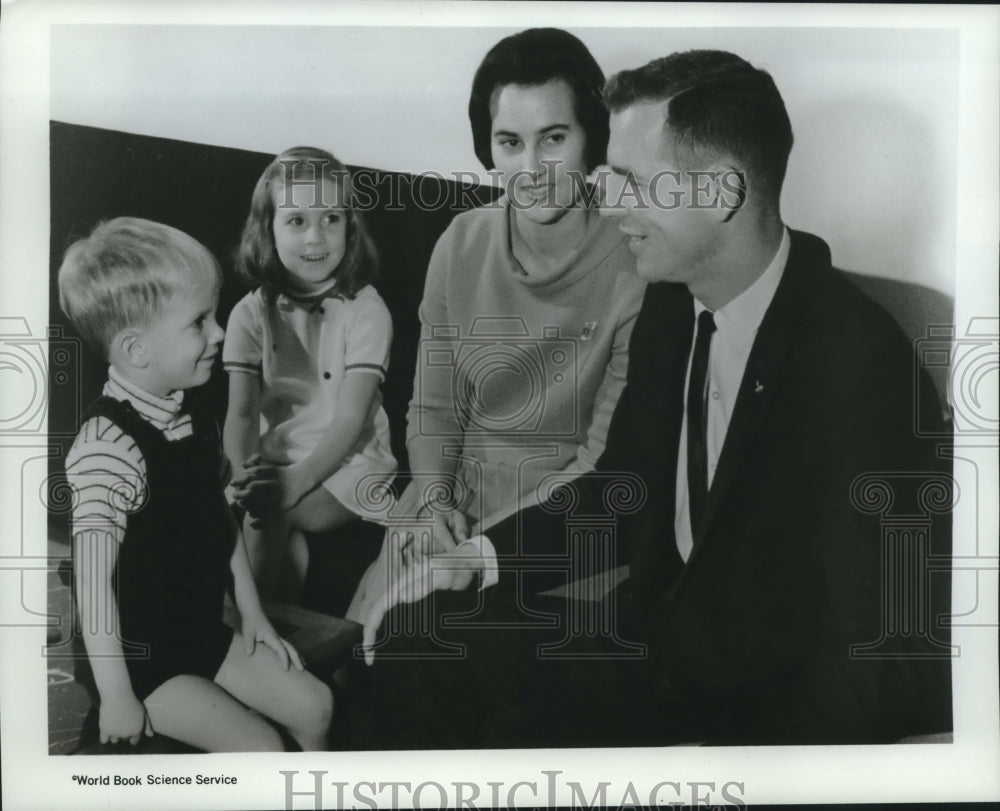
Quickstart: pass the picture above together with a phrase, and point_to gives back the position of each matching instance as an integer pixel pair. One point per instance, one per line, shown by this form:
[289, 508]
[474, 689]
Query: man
[761, 387]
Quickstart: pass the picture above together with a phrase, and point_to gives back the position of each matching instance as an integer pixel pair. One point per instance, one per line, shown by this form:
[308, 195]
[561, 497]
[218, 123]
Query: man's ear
[717, 190]
[129, 347]
[731, 186]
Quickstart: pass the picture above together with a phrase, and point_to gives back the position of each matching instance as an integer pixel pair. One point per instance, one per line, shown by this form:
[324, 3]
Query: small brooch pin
[758, 387]
[589, 328]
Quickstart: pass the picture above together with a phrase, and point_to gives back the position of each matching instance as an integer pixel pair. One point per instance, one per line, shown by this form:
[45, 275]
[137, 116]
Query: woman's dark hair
[257, 258]
[532, 58]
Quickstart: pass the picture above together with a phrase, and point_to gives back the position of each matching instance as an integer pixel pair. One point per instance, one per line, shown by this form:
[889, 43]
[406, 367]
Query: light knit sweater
[519, 375]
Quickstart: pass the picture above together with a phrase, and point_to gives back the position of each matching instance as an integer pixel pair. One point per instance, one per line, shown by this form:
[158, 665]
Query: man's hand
[451, 570]
[457, 523]
[424, 528]
[411, 544]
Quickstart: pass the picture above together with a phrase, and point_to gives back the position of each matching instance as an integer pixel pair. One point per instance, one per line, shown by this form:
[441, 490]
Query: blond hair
[125, 272]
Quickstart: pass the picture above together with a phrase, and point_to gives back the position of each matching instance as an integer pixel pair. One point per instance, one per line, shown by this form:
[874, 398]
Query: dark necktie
[697, 414]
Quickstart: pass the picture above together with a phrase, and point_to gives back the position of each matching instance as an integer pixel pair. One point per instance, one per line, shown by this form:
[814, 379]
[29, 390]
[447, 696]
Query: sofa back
[205, 190]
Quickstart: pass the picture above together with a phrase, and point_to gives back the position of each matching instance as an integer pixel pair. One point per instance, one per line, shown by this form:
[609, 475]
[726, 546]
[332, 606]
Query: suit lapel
[658, 357]
[673, 349]
[762, 376]
[760, 380]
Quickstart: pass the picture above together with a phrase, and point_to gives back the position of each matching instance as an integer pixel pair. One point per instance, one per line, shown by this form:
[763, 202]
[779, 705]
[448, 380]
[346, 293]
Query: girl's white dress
[302, 349]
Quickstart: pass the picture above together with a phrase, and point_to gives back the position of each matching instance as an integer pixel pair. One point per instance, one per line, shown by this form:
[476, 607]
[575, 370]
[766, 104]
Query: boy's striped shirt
[105, 467]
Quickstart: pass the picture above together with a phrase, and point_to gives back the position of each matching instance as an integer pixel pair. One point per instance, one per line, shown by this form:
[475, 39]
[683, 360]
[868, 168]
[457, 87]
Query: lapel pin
[758, 387]
[589, 328]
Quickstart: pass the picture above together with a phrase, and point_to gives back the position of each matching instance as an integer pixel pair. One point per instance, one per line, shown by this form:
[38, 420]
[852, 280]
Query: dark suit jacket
[756, 628]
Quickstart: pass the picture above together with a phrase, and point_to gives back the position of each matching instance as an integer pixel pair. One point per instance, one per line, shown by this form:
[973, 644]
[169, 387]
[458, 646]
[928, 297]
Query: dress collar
[312, 303]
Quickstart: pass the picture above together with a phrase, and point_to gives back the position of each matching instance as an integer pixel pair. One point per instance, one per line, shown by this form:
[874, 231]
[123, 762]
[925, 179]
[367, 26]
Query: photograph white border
[961, 771]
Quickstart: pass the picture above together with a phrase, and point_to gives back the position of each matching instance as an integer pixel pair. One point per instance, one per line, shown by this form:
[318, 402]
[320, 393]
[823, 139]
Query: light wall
[874, 110]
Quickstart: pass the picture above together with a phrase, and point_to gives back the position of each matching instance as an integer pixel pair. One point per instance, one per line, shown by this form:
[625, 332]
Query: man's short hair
[125, 272]
[531, 58]
[717, 103]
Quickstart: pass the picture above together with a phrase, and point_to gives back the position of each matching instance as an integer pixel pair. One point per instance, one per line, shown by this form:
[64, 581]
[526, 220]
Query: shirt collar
[311, 302]
[740, 318]
[160, 411]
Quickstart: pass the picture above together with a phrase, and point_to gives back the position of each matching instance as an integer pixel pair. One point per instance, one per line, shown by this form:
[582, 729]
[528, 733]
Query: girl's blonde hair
[257, 258]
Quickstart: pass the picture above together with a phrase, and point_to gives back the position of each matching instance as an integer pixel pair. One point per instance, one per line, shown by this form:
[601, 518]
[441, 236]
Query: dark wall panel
[98, 174]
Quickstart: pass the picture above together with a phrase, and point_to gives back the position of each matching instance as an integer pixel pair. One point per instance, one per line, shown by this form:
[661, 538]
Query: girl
[306, 351]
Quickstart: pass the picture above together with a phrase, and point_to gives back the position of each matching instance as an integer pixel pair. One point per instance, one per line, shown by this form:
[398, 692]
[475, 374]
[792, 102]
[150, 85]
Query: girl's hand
[266, 488]
[124, 718]
[243, 475]
[259, 629]
[258, 489]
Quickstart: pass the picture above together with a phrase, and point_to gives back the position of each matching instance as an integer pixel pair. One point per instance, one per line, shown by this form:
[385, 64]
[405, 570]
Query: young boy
[155, 545]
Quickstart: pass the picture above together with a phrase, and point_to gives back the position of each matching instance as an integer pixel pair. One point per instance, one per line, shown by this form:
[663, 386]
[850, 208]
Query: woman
[528, 304]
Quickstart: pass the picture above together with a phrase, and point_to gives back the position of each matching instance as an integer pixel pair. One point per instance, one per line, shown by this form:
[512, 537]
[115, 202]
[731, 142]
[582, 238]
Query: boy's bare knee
[264, 738]
[322, 705]
[315, 711]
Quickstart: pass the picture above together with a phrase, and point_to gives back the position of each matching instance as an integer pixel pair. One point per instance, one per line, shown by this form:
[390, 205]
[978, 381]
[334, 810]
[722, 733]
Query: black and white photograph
[481, 404]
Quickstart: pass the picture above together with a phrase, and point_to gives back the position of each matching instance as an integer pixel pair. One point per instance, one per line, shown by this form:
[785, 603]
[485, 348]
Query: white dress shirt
[736, 327]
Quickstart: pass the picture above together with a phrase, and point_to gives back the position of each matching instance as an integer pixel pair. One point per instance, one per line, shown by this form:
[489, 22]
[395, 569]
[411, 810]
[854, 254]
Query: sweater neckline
[601, 239]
